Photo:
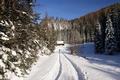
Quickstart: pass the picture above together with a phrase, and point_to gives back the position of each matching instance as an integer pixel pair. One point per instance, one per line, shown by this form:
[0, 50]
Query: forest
[23, 39]
[101, 27]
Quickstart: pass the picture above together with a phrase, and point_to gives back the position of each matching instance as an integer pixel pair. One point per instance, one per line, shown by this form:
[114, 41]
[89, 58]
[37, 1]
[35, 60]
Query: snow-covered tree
[116, 26]
[110, 41]
[20, 38]
[98, 38]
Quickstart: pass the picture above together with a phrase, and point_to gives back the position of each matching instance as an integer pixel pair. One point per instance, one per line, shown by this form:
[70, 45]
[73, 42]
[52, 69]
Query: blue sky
[70, 9]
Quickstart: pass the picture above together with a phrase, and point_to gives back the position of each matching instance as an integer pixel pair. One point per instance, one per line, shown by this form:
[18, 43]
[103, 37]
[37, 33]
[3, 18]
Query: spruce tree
[98, 39]
[110, 41]
[116, 26]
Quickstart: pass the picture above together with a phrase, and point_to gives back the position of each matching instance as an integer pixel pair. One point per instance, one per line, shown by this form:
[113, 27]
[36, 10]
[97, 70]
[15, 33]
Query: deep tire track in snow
[57, 67]
[68, 71]
[80, 74]
[60, 69]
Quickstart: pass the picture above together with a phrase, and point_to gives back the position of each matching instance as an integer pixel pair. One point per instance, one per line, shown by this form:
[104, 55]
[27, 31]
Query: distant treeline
[102, 27]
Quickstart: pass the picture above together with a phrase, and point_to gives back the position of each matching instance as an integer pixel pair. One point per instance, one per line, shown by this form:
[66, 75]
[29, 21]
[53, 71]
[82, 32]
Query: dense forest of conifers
[21, 38]
[85, 28]
[102, 27]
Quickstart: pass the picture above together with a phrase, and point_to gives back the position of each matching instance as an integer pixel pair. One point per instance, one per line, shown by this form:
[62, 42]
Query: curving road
[57, 67]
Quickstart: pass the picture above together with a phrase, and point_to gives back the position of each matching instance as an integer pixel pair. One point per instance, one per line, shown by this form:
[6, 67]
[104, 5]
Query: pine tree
[110, 41]
[116, 26]
[15, 37]
[98, 38]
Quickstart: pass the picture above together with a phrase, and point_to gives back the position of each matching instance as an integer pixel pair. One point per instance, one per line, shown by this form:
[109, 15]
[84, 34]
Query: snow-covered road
[56, 67]
[86, 65]
[67, 70]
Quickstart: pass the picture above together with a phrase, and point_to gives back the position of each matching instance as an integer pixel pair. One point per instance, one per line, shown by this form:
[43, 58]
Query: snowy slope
[86, 65]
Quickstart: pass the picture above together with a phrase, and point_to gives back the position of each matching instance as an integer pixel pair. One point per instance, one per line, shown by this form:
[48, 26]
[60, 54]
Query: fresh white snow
[86, 65]
[54, 67]
[97, 66]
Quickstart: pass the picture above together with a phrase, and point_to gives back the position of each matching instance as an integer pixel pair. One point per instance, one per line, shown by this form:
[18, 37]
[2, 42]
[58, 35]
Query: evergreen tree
[116, 25]
[110, 41]
[98, 38]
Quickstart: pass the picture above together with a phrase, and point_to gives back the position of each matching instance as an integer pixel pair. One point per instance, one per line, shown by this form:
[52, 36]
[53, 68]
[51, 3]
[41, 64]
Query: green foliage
[20, 37]
[108, 40]
[49, 36]
[86, 25]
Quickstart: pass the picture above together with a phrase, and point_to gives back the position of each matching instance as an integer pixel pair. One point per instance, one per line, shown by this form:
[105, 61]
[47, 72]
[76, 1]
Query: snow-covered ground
[96, 66]
[85, 66]
[55, 67]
